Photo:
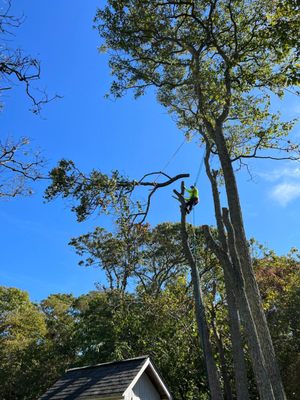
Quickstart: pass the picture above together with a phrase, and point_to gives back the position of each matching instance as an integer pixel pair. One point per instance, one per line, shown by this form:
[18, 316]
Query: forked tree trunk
[228, 256]
[236, 281]
[239, 365]
[252, 292]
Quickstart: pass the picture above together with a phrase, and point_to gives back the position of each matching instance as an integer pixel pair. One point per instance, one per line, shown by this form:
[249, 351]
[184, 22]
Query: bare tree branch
[16, 67]
[155, 186]
[19, 165]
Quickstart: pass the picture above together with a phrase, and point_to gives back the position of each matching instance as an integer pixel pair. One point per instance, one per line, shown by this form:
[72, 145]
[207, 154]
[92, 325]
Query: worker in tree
[192, 200]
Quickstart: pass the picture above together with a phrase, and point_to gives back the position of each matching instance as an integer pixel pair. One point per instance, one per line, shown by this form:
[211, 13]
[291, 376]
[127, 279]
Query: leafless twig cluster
[18, 166]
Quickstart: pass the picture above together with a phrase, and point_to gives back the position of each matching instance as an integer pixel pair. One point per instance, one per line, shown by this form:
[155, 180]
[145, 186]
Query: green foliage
[118, 255]
[117, 326]
[22, 330]
[279, 281]
[284, 28]
[60, 315]
[212, 63]
[97, 191]
[95, 332]
[38, 343]
[150, 257]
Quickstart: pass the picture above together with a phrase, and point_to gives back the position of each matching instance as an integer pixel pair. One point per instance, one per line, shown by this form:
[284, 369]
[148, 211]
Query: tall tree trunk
[251, 288]
[240, 370]
[211, 368]
[236, 280]
[228, 257]
[212, 372]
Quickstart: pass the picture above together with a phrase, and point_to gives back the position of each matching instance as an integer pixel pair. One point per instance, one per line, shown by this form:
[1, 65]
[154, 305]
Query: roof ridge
[107, 363]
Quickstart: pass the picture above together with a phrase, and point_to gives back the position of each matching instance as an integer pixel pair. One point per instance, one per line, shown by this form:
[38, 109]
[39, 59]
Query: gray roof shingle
[102, 380]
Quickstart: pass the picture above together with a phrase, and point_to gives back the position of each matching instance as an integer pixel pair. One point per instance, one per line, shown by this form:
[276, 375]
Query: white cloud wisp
[287, 188]
[285, 192]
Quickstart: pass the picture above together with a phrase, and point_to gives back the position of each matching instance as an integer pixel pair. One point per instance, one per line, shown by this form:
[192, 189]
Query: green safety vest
[193, 193]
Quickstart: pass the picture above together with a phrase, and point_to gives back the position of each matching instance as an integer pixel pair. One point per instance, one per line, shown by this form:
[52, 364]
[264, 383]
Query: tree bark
[240, 370]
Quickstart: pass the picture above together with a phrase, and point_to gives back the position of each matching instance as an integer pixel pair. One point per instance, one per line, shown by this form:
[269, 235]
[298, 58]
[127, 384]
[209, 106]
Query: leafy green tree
[38, 343]
[117, 326]
[279, 281]
[149, 256]
[162, 258]
[22, 333]
[158, 257]
[60, 347]
[207, 59]
[284, 28]
[168, 332]
[117, 254]
[95, 333]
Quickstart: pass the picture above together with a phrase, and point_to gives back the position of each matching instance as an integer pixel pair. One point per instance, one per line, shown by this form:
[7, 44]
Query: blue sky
[133, 136]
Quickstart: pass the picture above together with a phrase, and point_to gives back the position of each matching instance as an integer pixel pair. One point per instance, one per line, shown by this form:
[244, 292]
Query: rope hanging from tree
[194, 213]
[200, 169]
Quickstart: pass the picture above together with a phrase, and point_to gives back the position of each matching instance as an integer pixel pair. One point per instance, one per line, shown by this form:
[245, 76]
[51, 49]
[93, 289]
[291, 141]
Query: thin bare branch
[155, 187]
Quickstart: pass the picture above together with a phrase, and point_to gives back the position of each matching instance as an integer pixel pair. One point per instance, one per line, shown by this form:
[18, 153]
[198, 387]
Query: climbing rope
[170, 160]
[196, 181]
[194, 212]
[200, 169]
[193, 239]
[173, 156]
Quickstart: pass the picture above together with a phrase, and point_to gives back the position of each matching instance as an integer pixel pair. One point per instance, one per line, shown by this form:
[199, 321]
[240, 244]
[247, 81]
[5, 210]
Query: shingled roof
[103, 381]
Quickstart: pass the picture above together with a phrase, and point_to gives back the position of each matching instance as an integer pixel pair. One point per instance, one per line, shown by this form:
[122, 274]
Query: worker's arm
[190, 191]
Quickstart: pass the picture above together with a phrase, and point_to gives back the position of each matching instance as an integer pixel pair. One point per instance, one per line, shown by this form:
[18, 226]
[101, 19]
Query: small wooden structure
[133, 379]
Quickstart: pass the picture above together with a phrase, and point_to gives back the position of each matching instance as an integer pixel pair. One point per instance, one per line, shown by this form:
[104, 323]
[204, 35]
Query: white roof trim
[148, 363]
[139, 374]
[159, 380]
